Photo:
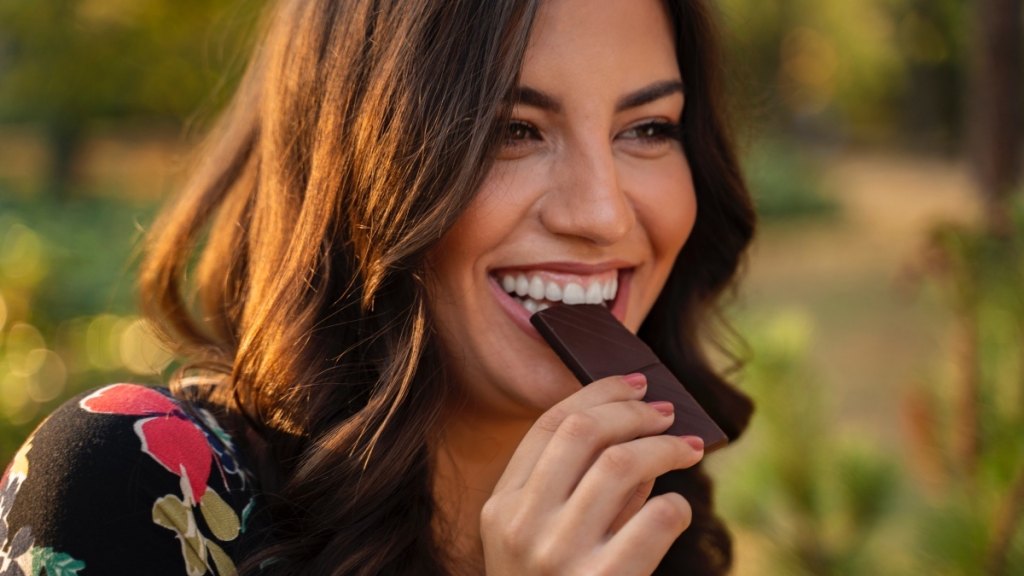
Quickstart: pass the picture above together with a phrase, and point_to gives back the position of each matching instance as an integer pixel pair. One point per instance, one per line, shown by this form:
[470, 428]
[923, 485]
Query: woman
[394, 187]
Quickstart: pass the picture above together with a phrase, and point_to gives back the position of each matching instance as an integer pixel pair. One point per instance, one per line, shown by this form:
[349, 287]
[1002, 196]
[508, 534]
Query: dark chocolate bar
[594, 345]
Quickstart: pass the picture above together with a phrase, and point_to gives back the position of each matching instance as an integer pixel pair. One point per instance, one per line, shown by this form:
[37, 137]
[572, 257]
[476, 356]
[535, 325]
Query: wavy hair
[290, 272]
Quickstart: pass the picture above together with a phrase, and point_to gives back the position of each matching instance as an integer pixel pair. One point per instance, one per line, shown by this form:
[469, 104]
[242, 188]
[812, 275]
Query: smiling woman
[590, 195]
[395, 188]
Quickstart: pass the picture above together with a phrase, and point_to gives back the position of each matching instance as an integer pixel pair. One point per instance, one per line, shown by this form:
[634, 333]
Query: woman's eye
[654, 133]
[519, 131]
[520, 139]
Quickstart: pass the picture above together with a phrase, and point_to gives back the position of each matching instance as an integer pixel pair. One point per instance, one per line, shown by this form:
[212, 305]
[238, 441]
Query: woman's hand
[573, 498]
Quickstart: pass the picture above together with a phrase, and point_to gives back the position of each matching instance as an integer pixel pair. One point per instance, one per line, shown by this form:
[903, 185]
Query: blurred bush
[73, 73]
[785, 180]
[820, 503]
[67, 319]
[967, 427]
[68, 67]
[865, 71]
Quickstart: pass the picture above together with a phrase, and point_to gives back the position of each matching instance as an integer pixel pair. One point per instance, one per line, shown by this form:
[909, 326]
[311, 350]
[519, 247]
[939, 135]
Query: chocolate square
[594, 345]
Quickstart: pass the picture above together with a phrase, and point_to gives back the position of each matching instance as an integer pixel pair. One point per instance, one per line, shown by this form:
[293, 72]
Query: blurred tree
[932, 36]
[820, 68]
[874, 70]
[820, 500]
[995, 116]
[971, 434]
[974, 523]
[68, 65]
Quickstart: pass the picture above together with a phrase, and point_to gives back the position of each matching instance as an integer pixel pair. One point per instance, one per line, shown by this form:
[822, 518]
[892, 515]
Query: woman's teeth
[534, 293]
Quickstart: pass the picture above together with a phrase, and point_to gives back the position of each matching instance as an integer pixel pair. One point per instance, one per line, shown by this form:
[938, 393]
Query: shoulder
[122, 475]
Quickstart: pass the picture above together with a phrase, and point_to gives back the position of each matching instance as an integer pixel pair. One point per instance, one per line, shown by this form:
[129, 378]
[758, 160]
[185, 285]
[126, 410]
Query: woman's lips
[522, 292]
[537, 289]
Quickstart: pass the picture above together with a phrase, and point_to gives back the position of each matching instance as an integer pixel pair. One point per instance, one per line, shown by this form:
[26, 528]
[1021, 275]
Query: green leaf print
[225, 567]
[219, 516]
[174, 514]
[54, 563]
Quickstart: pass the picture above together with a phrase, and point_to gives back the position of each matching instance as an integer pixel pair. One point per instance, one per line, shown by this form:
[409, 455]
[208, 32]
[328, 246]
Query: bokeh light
[103, 341]
[21, 341]
[22, 256]
[141, 350]
[15, 403]
[50, 377]
[3, 314]
[809, 66]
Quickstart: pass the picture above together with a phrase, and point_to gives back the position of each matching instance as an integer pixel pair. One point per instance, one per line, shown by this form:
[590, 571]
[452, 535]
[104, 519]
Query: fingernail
[666, 408]
[636, 380]
[695, 442]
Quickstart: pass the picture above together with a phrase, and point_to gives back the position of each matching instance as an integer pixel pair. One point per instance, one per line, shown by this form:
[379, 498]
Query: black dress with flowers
[125, 480]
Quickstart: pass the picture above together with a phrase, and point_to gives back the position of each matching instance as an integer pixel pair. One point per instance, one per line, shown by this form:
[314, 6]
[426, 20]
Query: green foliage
[67, 67]
[785, 181]
[977, 517]
[828, 506]
[859, 68]
[66, 305]
[818, 499]
[64, 61]
[954, 539]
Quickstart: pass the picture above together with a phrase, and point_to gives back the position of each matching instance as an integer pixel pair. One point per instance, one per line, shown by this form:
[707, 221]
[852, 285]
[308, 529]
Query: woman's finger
[606, 488]
[636, 501]
[645, 539]
[611, 389]
[582, 437]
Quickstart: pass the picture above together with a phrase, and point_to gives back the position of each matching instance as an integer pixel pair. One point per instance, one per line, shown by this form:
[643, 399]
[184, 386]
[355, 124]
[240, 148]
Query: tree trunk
[64, 140]
[995, 101]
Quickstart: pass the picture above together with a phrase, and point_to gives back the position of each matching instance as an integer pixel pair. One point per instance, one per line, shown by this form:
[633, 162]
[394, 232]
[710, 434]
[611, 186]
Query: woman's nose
[586, 199]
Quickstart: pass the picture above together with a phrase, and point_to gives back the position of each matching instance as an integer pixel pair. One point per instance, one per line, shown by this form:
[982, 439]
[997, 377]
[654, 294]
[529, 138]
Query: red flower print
[167, 435]
[128, 400]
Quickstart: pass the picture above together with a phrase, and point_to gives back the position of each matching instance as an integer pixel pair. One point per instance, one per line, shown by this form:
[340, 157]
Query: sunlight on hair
[416, 337]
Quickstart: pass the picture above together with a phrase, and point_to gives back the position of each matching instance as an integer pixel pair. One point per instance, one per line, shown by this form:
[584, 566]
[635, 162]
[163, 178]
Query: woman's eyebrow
[649, 94]
[535, 98]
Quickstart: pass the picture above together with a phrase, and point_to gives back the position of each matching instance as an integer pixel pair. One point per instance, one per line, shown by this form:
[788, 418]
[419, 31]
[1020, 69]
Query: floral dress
[125, 480]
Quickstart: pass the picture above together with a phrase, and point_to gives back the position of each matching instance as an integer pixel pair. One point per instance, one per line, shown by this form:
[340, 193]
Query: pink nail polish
[695, 442]
[666, 408]
[636, 380]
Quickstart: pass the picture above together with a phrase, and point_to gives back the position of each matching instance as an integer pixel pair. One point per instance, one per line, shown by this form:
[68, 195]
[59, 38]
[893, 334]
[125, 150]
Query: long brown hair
[293, 264]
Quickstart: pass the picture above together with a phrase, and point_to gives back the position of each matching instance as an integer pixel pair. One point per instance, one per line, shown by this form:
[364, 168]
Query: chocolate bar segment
[594, 345]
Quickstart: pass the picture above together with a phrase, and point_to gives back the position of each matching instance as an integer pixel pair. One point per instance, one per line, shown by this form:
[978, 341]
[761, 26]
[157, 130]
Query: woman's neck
[470, 458]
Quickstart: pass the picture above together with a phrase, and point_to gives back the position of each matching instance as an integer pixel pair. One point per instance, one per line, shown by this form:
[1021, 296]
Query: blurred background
[882, 316]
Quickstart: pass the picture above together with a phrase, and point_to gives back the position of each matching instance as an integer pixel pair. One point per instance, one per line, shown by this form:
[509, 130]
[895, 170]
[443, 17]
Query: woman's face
[590, 199]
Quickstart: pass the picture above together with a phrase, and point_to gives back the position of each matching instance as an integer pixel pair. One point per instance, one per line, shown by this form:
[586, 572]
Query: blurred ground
[134, 165]
[855, 275]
